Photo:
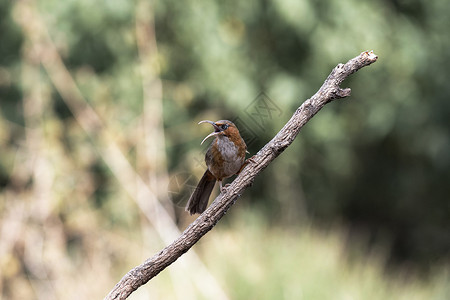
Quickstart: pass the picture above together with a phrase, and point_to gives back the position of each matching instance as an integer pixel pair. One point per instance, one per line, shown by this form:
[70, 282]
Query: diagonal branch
[329, 91]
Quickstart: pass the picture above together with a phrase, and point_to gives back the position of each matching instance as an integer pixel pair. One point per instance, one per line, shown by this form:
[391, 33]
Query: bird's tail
[200, 197]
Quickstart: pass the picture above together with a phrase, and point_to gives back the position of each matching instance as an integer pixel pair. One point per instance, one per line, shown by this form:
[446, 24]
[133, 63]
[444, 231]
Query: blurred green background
[98, 136]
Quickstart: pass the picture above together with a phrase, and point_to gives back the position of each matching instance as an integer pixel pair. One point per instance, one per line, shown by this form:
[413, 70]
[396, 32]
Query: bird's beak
[216, 130]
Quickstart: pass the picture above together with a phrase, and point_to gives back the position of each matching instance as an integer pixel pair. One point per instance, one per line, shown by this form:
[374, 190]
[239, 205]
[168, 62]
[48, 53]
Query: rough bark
[329, 91]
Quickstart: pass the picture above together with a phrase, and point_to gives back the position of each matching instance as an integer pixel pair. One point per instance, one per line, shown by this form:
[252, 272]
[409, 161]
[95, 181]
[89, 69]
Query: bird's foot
[223, 189]
[247, 161]
[250, 160]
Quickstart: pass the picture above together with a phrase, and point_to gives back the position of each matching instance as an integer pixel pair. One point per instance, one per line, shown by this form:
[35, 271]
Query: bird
[224, 158]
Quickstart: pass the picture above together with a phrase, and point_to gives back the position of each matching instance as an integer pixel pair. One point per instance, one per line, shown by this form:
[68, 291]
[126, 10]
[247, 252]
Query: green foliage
[306, 263]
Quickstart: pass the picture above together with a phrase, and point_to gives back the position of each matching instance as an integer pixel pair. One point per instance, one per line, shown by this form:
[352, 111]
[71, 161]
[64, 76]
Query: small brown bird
[225, 157]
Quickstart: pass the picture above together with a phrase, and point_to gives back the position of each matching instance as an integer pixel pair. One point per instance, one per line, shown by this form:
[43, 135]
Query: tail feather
[200, 197]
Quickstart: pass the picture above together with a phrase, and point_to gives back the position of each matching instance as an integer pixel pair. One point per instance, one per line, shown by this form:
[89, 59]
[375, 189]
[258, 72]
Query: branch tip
[342, 93]
[370, 55]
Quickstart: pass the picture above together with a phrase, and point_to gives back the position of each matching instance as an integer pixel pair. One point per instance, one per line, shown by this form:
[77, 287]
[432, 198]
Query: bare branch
[329, 91]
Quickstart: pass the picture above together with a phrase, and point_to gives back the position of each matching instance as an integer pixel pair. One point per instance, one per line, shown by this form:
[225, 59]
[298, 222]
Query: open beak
[216, 130]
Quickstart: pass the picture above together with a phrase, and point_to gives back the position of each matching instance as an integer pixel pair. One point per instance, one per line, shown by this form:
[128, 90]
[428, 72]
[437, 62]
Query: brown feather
[224, 158]
[200, 197]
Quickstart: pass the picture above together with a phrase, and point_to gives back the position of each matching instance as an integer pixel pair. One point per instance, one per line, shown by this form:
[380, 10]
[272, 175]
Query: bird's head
[221, 128]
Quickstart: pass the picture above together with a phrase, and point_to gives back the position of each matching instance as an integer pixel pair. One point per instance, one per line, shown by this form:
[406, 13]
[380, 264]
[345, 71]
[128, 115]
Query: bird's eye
[224, 126]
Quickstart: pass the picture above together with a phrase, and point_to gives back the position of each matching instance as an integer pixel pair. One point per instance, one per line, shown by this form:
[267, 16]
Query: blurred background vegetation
[100, 149]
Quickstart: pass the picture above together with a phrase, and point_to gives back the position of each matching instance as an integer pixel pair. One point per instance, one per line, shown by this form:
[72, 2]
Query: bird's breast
[224, 158]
